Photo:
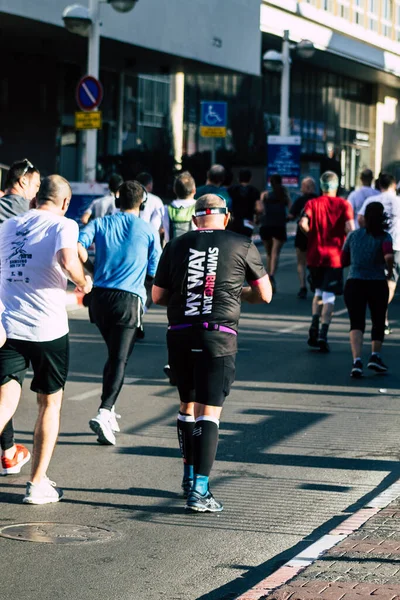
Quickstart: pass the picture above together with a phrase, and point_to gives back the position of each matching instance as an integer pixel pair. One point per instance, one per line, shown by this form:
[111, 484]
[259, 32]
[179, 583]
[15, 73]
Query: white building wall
[224, 33]
[332, 34]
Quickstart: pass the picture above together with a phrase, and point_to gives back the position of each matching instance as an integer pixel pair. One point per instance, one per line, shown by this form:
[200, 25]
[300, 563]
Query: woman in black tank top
[273, 207]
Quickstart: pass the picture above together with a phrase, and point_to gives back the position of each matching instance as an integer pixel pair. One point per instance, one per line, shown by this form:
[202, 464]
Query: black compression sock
[315, 321]
[7, 437]
[324, 330]
[185, 425]
[205, 438]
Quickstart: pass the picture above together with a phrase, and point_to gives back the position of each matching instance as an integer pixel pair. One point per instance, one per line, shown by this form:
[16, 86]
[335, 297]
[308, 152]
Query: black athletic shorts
[49, 360]
[269, 233]
[109, 307]
[200, 376]
[326, 279]
[301, 240]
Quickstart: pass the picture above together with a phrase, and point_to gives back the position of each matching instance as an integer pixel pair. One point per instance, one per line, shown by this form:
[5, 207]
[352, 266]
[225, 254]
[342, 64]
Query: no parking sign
[89, 93]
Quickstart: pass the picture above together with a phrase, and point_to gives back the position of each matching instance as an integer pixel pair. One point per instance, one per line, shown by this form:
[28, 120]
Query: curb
[308, 556]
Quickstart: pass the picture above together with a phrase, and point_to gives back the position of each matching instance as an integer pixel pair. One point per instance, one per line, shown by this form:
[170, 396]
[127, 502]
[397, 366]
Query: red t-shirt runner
[327, 217]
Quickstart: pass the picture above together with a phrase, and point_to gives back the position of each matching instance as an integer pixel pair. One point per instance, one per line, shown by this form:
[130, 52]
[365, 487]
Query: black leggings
[360, 293]
[117, 314]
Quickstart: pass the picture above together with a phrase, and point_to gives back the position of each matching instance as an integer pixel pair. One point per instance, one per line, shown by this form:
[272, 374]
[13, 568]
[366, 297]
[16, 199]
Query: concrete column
[385, 115]
[177, 101]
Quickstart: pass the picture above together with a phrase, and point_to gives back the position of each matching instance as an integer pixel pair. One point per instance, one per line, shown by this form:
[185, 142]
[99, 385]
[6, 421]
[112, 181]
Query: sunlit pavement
[301, 444]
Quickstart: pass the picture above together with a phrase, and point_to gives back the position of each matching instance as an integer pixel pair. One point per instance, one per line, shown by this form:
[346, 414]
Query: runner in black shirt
[244, 197]
[200, 278]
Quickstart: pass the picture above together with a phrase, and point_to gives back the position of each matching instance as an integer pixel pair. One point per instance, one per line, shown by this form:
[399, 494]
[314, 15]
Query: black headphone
[145, 197]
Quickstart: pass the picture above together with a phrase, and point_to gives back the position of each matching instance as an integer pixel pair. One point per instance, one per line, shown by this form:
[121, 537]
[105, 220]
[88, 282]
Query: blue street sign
[214, 114]
[89, 93]
[284, 159]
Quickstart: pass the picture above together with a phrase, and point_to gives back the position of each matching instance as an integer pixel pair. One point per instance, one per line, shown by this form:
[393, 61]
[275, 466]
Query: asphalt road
[301, 445]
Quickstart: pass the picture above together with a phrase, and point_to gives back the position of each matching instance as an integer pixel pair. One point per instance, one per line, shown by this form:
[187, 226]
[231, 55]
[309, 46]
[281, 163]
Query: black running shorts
[301, 240]
[273, 233]
[326, 279]
[49, 360]
[200, 376]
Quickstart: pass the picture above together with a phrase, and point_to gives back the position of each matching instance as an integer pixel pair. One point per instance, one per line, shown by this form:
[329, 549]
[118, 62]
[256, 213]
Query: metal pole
[285, 85]
[213, 151]
[90, 160]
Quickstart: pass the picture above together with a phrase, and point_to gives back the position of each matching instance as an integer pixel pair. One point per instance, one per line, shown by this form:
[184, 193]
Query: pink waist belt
[207, 326]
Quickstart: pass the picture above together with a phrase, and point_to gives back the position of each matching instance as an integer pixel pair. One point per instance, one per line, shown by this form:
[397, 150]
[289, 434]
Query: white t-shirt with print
[33, 285]
[391, 204]
[153, 211]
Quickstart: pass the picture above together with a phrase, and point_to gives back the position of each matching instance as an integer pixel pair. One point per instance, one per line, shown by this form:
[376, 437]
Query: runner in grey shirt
[358, 197]
[22, 185]
[106, 204]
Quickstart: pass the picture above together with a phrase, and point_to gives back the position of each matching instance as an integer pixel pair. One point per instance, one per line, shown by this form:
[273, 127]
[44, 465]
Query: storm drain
[57, 533]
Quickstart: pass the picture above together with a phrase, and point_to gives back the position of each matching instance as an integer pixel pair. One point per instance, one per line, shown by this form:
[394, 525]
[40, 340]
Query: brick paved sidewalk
[364, 565]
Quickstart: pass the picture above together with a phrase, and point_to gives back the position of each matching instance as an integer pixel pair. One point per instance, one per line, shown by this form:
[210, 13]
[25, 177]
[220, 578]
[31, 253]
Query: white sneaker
[42, 493]
[101, 425]
[113, 420]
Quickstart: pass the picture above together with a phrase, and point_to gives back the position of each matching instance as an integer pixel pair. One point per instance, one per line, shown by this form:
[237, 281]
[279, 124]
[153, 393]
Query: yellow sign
[213, 132]
[88, 120]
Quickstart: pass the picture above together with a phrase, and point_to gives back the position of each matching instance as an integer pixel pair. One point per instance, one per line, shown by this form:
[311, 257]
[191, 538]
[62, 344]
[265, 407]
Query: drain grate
[57, 533]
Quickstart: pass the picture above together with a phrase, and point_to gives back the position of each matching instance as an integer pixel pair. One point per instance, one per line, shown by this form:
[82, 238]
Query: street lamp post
[281, 62]
[86, 22]
[285, 85]
[93, 68]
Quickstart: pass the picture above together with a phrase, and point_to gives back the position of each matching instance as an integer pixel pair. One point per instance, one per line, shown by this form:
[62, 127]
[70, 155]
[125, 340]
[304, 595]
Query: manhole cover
[57, 533]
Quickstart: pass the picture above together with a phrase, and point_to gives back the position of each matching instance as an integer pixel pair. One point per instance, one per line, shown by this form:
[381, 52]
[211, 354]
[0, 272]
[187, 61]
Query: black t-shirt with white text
[204, 271]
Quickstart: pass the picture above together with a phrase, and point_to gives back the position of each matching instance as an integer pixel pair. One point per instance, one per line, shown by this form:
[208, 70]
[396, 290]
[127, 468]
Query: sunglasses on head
[28, 166]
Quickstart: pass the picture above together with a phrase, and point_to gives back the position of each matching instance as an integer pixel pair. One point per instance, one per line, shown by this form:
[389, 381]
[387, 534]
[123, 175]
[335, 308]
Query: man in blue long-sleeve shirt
[127, 251]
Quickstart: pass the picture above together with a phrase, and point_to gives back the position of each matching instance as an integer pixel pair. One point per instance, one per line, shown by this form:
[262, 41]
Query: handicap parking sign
[214, 119]
[214, 114]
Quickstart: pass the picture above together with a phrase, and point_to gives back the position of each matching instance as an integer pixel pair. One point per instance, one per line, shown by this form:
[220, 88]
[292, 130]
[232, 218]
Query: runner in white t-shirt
[38, 251]
[152, 211]
[391, 205]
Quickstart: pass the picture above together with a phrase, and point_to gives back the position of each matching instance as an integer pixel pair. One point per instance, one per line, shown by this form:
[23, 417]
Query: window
[344, 8]
[358, 11]
[327, 5]
[373, 15]
[387, 18]
[397, 23]
[153, 100]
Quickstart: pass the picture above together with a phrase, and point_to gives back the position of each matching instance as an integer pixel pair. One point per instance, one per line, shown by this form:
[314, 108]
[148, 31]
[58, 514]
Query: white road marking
[292, 328]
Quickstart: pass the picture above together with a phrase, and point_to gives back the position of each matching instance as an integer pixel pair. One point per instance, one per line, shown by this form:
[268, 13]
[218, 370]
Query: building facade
[162, 59]
[143, 55]
[344, 101]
